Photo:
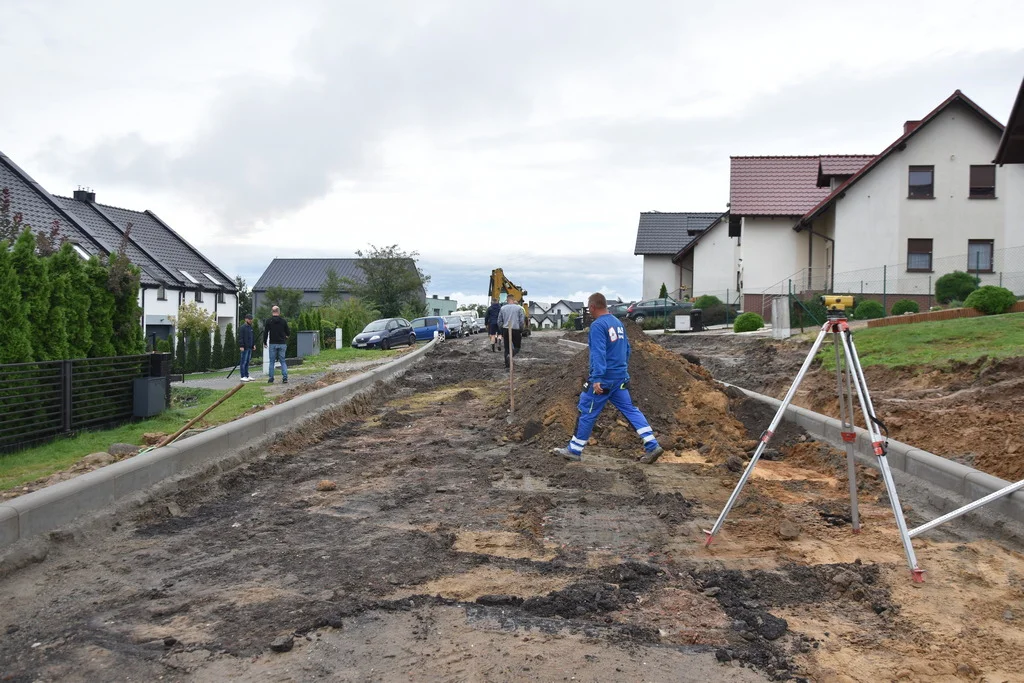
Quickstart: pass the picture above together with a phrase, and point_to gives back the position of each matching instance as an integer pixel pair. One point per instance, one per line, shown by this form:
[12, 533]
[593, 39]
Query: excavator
[501, 288]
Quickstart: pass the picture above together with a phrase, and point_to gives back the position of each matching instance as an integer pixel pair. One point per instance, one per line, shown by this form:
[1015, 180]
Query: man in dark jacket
[246, 344]
[275, 340]
[492, 322]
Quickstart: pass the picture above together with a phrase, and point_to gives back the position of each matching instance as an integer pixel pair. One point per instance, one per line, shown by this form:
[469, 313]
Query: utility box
[149, 396]
[690, 322]
[308, 343]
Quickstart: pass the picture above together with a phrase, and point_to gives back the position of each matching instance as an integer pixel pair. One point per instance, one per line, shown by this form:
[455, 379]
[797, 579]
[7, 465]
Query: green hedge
[991, 300]
[905, 306]
[748, 322]
[868, 310]
[955, 286]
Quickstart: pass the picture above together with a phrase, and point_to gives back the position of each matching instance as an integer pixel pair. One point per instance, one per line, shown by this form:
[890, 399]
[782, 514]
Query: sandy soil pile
[687, 409]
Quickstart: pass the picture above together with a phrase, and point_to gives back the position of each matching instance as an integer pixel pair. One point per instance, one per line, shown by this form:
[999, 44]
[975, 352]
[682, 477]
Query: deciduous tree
[393, 280]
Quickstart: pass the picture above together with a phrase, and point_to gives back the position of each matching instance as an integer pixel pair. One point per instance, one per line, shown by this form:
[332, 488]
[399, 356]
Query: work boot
[492, 347]
[270, 381]
[567, 454]
[649, 458]
[285, 380]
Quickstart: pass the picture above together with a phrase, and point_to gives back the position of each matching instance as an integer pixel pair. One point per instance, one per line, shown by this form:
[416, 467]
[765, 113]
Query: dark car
[656, 308]
[457, 327]
[424, 328]
[384, 334]
[619, 310]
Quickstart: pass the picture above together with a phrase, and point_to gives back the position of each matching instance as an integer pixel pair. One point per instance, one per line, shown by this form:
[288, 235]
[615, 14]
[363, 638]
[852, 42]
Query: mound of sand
[687, 409]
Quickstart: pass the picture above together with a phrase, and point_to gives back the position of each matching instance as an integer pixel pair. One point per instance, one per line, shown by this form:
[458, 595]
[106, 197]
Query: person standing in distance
[246, 345]
[492, 322]
[608, 381]
[511, 316]
[275, 340]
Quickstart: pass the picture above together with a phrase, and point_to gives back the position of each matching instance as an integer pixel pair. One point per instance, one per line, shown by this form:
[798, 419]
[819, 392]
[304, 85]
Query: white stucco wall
[659, 270]
[876, 218]
[714, 263]
[772, 252]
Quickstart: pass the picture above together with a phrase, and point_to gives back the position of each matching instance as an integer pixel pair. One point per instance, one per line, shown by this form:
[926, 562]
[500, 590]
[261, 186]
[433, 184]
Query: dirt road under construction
[416, 535]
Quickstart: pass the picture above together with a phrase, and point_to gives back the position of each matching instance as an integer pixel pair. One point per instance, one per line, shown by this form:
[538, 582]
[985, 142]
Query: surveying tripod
[849, 378]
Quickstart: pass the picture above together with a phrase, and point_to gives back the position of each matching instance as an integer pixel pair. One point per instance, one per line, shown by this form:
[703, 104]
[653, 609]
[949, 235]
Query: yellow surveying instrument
[837, 305]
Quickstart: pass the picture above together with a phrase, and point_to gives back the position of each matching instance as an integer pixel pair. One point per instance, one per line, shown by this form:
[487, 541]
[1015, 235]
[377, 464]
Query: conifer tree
[192, 361]
[205, 352]
[15, 332]
[231, 356]
[67, 264]
[123, 284]
[217, 361]
[101, 310]
[56, 339]
[180, 355]
[35, 290]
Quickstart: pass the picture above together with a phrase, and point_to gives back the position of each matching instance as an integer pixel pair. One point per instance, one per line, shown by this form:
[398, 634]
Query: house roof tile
[39, 210]
[957, 97]
[774, 186]
[307, 274]
[668, 232]
[1011, 145]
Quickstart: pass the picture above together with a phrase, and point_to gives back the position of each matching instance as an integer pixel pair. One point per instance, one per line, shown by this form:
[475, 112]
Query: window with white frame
[161, 293]
[199, 296]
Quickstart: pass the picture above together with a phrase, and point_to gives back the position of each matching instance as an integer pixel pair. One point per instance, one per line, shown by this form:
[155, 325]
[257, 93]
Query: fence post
[65, 395]
[929, 292]
[885, 283]
[160, 366]
[1000, 278]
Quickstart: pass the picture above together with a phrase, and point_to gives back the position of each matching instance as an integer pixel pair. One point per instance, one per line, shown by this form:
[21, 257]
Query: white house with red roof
[932, 202]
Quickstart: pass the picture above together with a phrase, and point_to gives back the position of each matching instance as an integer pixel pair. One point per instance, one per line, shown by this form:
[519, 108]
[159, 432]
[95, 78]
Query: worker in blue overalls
[608, 381]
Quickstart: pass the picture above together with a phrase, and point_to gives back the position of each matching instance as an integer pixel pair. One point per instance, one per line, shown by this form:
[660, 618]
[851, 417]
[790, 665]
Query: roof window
[213, 279]
[80, 251]
[189, 277]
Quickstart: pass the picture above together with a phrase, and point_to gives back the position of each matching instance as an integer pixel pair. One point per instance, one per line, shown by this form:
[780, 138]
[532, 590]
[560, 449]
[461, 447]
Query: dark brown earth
[450, 550]
[969, 412]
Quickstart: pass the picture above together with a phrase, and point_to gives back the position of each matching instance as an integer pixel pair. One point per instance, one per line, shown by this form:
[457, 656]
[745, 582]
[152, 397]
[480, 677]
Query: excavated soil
[455, 547]
[969, 412]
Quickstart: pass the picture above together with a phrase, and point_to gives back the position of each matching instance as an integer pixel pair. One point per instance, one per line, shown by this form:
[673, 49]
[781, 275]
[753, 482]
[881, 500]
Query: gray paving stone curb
[50, 508]
[950, 476]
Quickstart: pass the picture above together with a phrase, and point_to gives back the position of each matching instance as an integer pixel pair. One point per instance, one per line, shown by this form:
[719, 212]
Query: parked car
[457, 326]
[424, 328]
[657, 308]
[619, 310]
[475, 324]
[385, 333]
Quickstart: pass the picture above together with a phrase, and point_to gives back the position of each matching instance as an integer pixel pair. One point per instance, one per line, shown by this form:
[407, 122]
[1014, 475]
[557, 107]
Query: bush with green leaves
[955, 286]
[205, 352]
[991, 300]
[706, 301]
[231, 353]
[748, 322]
[663, 292]
[905, 306]
[868, 310]
[810, 313]
[192, 357]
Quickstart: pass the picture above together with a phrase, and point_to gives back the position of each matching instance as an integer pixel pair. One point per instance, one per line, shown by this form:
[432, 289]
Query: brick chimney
[910, 125]
[87, 196]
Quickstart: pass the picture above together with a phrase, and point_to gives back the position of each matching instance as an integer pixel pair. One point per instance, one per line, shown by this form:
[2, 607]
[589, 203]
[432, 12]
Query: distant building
[659, 237]
[441, 306]
[308, 275]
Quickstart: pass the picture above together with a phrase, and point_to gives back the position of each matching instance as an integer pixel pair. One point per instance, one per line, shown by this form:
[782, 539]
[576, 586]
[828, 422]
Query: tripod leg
[916, 573]
[765, 438]
[845, 392]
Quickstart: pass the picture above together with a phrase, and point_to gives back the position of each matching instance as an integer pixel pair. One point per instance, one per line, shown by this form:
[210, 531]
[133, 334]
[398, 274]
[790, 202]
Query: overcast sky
[527, 135]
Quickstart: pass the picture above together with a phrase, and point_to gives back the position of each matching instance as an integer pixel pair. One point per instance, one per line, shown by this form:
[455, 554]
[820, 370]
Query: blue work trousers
[590, 407]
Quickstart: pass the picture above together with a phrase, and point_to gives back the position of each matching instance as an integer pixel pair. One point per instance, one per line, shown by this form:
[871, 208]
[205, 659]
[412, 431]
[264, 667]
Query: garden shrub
[956, 285]
[707, 301]
[748, 322]
[991, 300]
[868, 310]
[905, 306]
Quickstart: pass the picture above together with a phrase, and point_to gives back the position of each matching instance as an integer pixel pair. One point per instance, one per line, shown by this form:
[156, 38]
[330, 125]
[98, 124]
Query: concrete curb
[573, 343]
[55, 506]
[950, 476]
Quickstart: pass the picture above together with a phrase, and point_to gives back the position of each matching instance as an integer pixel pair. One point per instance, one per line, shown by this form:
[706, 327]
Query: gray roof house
[307, 275]
[172, 270]
[659, 237]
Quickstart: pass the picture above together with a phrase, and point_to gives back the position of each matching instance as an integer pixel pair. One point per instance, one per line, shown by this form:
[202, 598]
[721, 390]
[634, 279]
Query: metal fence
[889, 283]
[716, 314]
[39, 401]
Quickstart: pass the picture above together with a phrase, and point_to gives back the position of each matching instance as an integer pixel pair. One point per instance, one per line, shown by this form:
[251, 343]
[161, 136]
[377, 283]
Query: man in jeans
[511, 319]
[246, 345]
[275, 340]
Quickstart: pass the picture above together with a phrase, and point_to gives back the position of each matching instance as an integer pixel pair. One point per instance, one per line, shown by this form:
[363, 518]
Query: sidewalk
[256, 372]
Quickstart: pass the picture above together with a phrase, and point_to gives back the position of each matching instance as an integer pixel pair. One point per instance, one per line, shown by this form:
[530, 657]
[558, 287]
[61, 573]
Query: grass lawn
[186, 403]
[313, 364]
[937, 343]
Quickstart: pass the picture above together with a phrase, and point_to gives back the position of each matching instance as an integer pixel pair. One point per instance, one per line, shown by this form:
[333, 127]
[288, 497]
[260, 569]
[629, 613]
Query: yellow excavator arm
[501, 288]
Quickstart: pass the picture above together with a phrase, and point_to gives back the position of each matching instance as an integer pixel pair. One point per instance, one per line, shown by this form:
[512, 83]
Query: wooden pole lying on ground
[510, 349]
[200, 416]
